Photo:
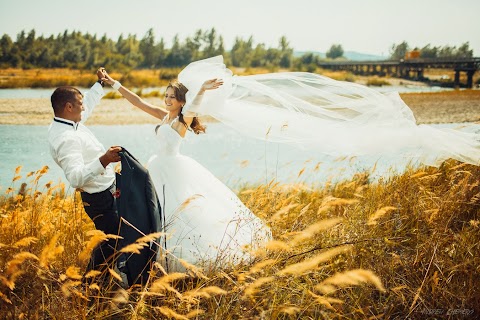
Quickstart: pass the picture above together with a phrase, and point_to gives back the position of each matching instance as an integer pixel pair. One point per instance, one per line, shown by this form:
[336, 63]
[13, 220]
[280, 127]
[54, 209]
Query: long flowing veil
[334, 117]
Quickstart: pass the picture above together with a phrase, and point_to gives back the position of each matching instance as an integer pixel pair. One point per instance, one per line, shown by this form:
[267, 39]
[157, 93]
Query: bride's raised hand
[211, 84]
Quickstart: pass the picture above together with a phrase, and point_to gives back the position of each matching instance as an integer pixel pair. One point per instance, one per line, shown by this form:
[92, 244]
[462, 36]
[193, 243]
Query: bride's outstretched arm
[191, 109]
[133, 98]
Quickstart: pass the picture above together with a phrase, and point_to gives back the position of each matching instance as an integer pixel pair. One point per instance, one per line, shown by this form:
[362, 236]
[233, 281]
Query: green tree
[147, 49]
[429, 52]
[307, 62]
[131, 53]
[272, 58]
[45, 57]
[73, 54]
[220, 46]
[398, 51]
[6, 45]
[194, 45]
[210, 44]
[258, 55]
[161, 53]
[179, 55]
[335, 51]
[446, 52]
[21, 41]
[464, 51]
[241, 52]
[214, 44]
[286, 53]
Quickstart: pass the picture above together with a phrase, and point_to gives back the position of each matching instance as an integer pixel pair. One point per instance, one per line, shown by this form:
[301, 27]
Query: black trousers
[101, 208]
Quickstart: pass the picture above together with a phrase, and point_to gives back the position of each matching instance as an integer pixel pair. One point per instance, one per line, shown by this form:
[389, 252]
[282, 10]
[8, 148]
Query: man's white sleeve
[91, 99]
[70, 159]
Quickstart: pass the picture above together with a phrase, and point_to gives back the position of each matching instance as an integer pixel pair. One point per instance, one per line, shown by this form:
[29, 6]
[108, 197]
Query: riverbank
[433, 107]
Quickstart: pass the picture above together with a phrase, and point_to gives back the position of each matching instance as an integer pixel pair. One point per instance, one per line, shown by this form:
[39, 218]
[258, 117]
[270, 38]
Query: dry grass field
[406, 247]
[51, 78]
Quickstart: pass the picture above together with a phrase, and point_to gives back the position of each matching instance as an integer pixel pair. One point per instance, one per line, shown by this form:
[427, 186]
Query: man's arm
[69, 158]
[92, 98]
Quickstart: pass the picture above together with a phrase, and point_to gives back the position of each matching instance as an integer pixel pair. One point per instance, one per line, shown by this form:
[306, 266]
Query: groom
[85, 162]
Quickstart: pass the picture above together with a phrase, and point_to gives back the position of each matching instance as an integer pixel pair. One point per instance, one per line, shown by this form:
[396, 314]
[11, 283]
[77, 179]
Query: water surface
[234, 159]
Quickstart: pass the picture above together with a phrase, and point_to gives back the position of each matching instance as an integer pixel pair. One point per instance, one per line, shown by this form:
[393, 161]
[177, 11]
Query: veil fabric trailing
[337, 118]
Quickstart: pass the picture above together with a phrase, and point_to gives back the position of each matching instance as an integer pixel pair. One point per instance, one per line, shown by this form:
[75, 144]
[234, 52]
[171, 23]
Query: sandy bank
[438, 107]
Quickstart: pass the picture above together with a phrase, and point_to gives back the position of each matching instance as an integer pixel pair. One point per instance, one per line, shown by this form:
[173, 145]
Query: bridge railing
[443, 61]
[404, 67]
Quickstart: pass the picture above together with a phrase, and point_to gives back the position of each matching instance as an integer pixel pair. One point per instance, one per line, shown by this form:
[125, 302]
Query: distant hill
[350, 55]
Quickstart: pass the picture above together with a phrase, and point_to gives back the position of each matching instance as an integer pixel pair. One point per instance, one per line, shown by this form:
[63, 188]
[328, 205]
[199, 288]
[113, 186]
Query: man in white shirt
[84, 160]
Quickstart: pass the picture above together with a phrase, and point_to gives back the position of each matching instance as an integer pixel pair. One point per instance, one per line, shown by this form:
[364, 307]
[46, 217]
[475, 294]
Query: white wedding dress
[205, 222]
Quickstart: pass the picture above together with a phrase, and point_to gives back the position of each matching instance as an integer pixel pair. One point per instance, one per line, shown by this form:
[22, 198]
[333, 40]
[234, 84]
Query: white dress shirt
[76, 150]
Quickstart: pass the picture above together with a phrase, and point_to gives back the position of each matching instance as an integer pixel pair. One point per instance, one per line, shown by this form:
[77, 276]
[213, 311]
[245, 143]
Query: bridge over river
[408, 68]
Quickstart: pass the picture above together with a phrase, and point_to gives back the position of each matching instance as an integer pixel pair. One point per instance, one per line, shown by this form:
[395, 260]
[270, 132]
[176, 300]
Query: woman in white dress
[206, 223]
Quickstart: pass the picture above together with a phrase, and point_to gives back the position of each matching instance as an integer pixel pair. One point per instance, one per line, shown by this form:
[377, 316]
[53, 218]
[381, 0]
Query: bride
[205, 223]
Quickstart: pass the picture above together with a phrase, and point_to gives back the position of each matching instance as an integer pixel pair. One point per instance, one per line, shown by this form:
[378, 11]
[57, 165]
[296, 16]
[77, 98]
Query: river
[29, 93]
[234, 159]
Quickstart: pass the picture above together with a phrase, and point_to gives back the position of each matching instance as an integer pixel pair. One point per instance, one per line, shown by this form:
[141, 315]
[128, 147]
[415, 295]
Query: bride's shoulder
[180, 127]
[161, 123]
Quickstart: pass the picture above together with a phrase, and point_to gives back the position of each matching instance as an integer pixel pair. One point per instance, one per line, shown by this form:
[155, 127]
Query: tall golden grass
[403, 247]
[51, 78]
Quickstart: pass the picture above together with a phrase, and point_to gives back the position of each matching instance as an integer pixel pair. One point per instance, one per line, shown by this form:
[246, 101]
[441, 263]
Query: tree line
[86, 51]
[398, 51]
[77, 50]
[80, 51]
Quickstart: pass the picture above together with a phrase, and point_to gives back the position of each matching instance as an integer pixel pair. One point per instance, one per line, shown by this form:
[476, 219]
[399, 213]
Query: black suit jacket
[137, 203]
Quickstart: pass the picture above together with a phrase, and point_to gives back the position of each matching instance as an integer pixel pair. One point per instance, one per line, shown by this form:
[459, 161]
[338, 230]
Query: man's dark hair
[62, 95]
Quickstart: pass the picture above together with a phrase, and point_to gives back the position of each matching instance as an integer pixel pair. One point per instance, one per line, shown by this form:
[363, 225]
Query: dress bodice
[168, 139]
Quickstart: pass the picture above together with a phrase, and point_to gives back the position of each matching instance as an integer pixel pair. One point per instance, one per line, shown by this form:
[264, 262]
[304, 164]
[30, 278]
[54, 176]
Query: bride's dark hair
[180, 92]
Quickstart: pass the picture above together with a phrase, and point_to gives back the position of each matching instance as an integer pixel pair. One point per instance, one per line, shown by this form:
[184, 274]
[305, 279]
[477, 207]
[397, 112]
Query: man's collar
[66, 122]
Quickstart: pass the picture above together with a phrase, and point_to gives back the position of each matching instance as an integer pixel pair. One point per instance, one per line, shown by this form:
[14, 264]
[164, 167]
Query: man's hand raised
[106, 77]
[110, 156]
[101, 73]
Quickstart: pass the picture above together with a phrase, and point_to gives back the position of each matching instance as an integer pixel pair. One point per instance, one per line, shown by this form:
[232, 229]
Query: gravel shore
[438, 107]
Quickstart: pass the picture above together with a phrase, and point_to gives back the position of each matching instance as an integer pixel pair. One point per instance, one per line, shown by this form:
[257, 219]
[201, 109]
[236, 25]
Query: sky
[366, 26]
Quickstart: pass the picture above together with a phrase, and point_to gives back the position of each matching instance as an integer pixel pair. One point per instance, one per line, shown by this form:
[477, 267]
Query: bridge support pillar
[456, 83]
[419, 74]
[470, 78]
